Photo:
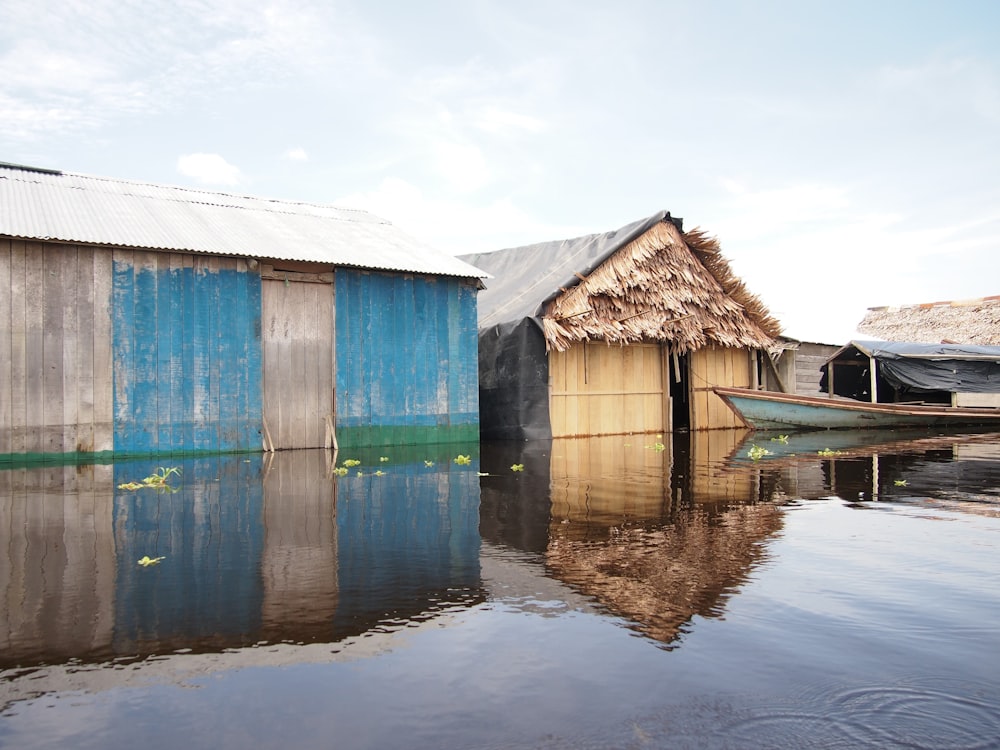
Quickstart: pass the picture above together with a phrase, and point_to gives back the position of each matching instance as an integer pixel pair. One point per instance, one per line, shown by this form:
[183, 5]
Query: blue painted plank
[230, 366]
[121, 333]
[175, 335]
[164, 416]
[144, 372]
[189, 318]
[200, 334]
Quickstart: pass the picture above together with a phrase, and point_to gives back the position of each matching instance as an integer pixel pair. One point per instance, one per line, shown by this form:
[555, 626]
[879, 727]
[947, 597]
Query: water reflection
[466, 594]
[262, 549]
[953, 469]
[651, 531]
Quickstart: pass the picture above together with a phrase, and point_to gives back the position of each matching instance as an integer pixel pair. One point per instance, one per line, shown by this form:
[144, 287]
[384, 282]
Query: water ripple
[920, 717]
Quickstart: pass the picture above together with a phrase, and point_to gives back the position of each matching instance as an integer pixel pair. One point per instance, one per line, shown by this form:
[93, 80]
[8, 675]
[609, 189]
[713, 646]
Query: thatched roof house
[625, 331]
[971, 321]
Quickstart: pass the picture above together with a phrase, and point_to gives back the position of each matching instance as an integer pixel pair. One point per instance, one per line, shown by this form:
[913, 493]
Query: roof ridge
[265, 203]
[942, 303]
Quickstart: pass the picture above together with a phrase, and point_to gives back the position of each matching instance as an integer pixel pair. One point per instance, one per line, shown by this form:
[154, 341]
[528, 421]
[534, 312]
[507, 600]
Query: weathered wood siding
[297, 340]
[597, 389]
[186, 354]
[55, 350]
[711, 366]
[407, 359]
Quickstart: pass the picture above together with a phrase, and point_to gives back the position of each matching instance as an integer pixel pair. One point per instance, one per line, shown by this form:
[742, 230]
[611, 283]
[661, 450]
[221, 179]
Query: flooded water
[720, 590]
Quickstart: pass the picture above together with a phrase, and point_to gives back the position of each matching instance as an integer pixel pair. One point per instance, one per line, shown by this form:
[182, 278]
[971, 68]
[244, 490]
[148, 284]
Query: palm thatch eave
[663, 287]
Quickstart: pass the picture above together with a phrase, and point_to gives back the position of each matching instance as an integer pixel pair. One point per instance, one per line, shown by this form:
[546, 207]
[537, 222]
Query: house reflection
[905, 465]
[256, 549]
[652, 530]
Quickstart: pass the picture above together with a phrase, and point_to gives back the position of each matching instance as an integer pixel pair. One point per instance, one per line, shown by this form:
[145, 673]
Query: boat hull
[766, 410]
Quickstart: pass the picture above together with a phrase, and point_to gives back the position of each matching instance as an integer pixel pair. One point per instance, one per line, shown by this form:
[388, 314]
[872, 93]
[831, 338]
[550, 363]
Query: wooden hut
[145, 319]
[970, 321]
[626, 331]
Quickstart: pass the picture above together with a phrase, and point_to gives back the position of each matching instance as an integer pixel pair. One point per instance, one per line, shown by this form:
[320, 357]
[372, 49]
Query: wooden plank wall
[56, 394]
[298, 361]
[407, 359]
[709, 367]
[596, 389]
[186, 354]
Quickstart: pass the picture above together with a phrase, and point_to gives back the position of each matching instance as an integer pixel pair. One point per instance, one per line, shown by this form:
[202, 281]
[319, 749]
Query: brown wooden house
[622, 332]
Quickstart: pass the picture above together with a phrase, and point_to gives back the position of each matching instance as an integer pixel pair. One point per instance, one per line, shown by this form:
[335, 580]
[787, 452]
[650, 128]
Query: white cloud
[463, 165]
[296, 154]
[451, 224]
[498, 121]
[210, 169]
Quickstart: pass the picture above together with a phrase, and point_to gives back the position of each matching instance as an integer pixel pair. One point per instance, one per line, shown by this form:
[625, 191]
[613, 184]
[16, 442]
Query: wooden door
[298, 361]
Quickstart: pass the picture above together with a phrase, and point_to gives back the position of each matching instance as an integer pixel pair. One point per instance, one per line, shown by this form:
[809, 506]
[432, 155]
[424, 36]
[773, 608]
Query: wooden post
[874, 379]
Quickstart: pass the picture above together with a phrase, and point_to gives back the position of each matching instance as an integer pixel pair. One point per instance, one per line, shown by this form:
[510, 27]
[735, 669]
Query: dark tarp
[513, 362]
[953, 368]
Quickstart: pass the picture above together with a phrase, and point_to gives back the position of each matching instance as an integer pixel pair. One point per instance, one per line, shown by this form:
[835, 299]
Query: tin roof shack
[614, 333]
[144, 319]
[970, 321]
[903, 372]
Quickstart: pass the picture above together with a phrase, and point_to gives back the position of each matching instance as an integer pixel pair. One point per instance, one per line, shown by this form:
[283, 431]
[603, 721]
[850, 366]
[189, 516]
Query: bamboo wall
[711, 366]
[597, 389]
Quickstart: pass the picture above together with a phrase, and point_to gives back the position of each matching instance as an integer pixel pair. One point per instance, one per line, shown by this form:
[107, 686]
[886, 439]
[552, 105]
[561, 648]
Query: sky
[846, 154]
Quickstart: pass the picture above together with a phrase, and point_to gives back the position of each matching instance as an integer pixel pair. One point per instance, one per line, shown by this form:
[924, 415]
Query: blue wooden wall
[186, 354]
[407, 359]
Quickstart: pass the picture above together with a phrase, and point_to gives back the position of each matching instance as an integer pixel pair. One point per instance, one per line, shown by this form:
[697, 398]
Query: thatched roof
[644, 282]
[973, 321]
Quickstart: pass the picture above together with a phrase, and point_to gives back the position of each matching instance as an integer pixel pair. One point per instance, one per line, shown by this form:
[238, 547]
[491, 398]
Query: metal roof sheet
[61, 206]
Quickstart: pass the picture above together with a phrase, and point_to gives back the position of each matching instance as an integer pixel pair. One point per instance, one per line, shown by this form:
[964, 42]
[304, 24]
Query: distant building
[971, 321]
[143, 319]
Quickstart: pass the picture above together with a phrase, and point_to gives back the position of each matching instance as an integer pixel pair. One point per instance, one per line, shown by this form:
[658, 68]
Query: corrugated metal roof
[48, 205]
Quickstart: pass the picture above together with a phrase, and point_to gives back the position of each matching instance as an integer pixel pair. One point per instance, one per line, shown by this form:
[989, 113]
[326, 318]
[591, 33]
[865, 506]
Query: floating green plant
[145, 561]
[828, 452]
[351, 462]
[379, 473]
[517, 467]
[780, 439]
[463, 460]
[900, 482]
[383, 459]
[340, 471]
[157, 480]
[428, 464]
[756, 452]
